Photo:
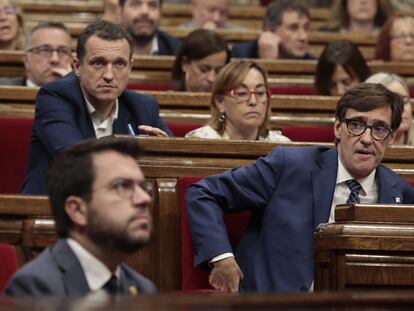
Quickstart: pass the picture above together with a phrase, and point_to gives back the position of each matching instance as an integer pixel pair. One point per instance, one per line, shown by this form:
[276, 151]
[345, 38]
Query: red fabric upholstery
[8, 264]
[196, 278]
[150, 86]
[14, 141]
[310, 134]
[180, 129]
[292, 90]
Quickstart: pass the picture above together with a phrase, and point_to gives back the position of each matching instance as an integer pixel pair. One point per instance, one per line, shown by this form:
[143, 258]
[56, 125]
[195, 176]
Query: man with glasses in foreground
[47, 56]
[100, 203]
[293, 190]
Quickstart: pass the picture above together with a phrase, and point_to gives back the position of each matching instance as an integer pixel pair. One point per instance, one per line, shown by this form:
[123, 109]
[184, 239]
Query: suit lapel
[72, 274]
[128, 285]
[387, 192]
[124, 118]
[323, 185]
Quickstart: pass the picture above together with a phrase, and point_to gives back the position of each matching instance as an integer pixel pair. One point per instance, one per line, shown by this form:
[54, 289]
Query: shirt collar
[30, 83]
[96, 273]
[343, 175]
[155, 49]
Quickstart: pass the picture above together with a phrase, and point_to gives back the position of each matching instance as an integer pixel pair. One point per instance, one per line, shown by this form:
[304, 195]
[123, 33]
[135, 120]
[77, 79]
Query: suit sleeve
[21, 286]
[247, 188]
[157, 120]
[55, 122]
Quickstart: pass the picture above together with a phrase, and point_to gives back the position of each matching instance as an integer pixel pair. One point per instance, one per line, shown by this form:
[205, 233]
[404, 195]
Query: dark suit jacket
[57, 272]
[20, 81]
[167, 44]
[62, 119]
[290, 193]
[249, 49]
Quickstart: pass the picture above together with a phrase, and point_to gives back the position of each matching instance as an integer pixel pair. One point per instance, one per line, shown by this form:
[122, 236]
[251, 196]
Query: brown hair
[231, 76]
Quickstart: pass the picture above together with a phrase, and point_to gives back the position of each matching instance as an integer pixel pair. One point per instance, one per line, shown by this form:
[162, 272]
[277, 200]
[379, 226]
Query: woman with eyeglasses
[240, 105]
[201, 56]
[11, 26]
[396, 40]
[404, 135]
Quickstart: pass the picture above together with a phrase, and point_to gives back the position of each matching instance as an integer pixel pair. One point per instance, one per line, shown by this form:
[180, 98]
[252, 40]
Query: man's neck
[110, 257]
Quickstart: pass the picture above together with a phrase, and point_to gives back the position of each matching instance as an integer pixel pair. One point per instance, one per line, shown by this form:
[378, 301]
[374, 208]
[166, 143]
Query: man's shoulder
[245, 49]
[145, 285]
[65, 86]
[168, 44]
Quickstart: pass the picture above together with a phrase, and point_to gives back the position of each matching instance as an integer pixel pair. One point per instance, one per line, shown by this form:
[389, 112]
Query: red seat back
[8, 264]
[310, 134]
[196, 278]
[14, 141]
[180, 129]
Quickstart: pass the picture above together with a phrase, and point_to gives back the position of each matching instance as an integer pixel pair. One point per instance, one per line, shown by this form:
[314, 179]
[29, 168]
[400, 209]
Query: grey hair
[386, 79]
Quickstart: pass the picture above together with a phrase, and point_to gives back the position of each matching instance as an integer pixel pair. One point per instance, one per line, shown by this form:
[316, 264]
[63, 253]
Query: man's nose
[108, 72]
[54, 58]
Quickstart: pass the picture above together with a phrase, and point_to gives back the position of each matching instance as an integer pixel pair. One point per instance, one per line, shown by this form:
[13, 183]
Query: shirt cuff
[220, 257]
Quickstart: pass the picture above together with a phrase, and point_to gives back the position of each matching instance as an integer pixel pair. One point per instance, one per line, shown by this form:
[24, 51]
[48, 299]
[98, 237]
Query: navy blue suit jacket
[57, 272]
[167, 44]
[249, 49]
[62, 119]
[290, 193]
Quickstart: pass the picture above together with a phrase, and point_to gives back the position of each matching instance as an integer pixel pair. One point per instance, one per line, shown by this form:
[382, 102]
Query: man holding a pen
[90, 102]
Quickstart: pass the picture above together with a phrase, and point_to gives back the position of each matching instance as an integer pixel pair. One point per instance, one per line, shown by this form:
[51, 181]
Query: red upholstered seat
[310, 134]
[292, 90]
[8, 265]
[14, 141]
[154, 86]
[180, 129]
[196, 278]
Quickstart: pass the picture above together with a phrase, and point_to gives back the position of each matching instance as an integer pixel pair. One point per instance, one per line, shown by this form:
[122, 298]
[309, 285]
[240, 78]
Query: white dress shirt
[102, 128]
[96, 273]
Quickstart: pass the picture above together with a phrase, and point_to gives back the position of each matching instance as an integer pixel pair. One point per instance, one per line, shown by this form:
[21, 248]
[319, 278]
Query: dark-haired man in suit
[100, 203]
[91, 102]
[142, 19]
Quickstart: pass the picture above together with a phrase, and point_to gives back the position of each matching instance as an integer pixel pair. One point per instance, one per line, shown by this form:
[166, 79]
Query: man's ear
[76, 66]
[337, 132]
[76, 209]
[391, 139]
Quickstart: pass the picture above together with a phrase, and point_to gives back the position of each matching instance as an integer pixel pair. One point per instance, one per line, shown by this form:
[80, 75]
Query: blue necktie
[355, 187]
[112, 286]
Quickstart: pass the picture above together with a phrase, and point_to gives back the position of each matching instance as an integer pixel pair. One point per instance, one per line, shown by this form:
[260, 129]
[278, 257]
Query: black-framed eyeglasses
[379, 131]
[46, 51]
[243, 94]
[125, 187]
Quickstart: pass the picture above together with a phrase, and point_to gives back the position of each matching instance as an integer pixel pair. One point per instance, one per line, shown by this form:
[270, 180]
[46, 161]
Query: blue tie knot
[355, 187]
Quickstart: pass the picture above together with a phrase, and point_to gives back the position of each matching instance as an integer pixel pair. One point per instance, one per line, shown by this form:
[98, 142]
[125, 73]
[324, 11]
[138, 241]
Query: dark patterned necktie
[112, 286]
[355, 187]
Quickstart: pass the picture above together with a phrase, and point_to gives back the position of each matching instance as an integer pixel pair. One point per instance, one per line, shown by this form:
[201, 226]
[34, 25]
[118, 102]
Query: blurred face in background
[402, 39]
[200, 74]
[362, 10]
[341, 81]
[141, 18]
[407, 116]
[294, 34]
[9, 25]
[209, 13]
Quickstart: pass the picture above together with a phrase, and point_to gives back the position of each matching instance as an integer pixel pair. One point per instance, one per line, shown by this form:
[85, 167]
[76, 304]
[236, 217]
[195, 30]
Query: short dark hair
[343, 53]
[370, 96]
[46, 25]
[72, 173]
[106, 31]
[274, 12]
[122, 3]
[198, 44]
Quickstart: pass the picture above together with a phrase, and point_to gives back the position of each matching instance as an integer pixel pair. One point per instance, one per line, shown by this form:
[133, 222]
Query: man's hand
[268, 45]
[152, 131]
[225, 275]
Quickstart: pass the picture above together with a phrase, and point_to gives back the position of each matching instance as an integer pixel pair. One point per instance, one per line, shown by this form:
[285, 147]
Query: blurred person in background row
[47, 55]
[396, 40]
[209, 14]
[340, 67]
[359, 16]
[404, 135]
[11, 26]
[142, 20]
[240, 105]
[201, 56]
[285, 33]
